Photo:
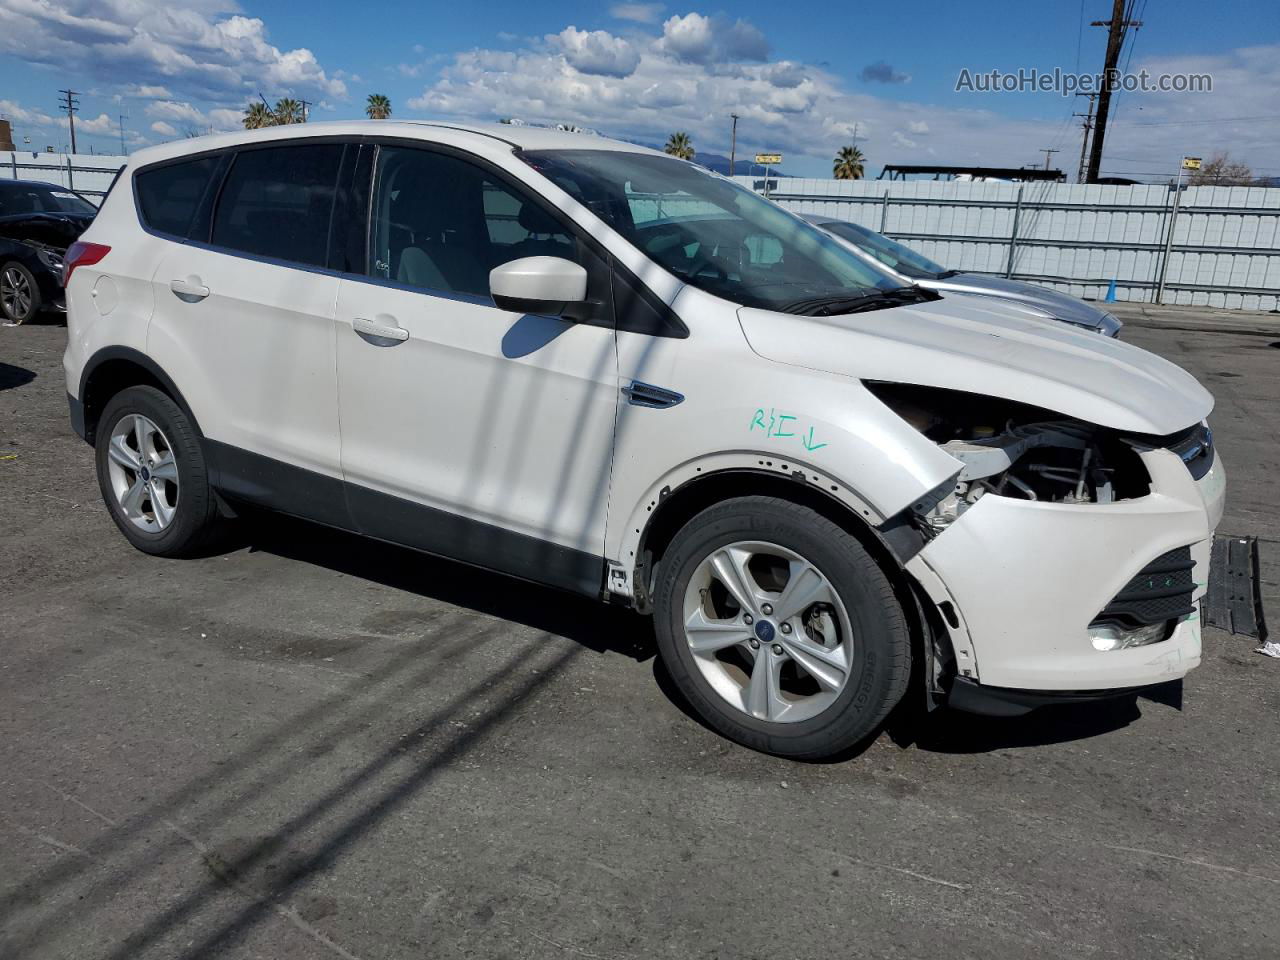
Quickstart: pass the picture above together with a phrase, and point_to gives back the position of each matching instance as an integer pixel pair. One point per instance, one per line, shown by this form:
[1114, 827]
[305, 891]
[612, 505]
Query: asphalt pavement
[312, 746]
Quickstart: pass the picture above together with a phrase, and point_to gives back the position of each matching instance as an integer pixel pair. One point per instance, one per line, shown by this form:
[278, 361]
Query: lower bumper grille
[1161, 590]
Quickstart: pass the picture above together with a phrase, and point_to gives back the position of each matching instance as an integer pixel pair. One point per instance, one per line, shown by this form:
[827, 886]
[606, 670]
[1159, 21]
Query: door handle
[190, 290]
[379, 334]
[647, 395]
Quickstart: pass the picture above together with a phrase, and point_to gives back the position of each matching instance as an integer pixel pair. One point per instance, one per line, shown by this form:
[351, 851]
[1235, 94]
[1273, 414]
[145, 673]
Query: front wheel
[153, 476]
[780, 629]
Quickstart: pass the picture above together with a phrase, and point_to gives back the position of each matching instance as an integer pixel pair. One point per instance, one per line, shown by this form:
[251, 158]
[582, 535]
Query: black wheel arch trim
[127, 354]
[797, 477]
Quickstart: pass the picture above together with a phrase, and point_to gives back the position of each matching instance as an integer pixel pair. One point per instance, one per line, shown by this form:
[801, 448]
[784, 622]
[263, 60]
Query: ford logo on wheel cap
[764, 631]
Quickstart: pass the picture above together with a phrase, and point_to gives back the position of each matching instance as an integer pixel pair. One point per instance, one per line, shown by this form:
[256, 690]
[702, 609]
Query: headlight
[51, 259]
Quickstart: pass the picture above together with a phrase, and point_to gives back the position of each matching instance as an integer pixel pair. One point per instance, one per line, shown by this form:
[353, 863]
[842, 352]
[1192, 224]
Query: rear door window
[169, 196]
[277, 202]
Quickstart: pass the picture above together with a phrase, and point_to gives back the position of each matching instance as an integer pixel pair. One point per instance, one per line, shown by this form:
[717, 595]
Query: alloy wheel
[768, 631]
[15, 294]
[143, 473]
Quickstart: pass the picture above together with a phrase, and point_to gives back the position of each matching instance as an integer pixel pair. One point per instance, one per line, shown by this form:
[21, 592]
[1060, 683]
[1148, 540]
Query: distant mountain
[719, 162]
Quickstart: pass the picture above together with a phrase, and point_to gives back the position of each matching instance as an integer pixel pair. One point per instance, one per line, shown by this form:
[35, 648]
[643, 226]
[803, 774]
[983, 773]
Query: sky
[806, 78]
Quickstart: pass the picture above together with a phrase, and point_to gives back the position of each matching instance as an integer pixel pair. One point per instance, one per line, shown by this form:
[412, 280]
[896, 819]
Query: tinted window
[276, 202]
[33, 198]
[169, 196]
[441, 223]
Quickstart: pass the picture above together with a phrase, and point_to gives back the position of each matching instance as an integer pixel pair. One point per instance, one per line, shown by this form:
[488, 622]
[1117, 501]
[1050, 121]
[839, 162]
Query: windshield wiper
[872, 300]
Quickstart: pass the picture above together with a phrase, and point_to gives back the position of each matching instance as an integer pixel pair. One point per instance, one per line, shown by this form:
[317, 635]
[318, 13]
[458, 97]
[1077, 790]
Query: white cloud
[636, 12]
[164, 129]
[12, 110]
[196, 49]
[597, 52]
[918, 126]
[99, 125]
[700, 39]
[225, 120]
[688, 37]
[181, 112]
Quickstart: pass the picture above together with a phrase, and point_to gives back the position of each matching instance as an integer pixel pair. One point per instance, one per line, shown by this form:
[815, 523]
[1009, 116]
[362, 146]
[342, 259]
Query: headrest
[536, 220]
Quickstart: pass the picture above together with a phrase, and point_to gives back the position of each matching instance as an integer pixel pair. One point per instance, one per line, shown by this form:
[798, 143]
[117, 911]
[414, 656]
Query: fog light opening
[1115, 636]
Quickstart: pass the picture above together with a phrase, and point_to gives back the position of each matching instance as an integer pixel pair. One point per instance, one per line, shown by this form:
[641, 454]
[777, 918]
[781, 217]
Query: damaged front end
[1012, 450]
[1060, 540]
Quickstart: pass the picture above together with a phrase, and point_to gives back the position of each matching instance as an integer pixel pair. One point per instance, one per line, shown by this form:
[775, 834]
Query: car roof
[15, 184]
[481, 135]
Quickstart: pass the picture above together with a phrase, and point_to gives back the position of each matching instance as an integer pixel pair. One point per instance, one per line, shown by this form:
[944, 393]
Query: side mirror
[544, 286]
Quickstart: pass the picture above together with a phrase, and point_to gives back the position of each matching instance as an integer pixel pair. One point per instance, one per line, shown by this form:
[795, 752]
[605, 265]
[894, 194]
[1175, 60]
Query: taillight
[81, 254]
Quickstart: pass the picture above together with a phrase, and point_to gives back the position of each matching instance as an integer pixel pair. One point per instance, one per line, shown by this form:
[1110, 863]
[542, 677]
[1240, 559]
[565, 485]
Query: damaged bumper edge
[1029, 577]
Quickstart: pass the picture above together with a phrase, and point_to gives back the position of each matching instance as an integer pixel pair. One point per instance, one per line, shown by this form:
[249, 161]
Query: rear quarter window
[169, 196]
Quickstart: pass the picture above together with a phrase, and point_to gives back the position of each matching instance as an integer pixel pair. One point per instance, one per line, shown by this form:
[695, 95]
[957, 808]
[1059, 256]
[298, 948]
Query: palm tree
[289, 110]
[378, 107]
[258, 115]
[848, 164]
[679, 145]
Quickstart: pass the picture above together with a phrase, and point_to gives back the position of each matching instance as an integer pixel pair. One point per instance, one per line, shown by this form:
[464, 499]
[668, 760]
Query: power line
[1048, 153]
[1167, 123]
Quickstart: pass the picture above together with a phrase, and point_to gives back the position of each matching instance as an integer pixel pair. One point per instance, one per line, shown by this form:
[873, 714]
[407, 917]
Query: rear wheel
[153, 475]
[19, 293]
[780, 629]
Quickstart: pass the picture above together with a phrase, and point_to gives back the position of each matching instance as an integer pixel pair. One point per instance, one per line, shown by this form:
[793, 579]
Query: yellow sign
[1190, 163]
[768, 159]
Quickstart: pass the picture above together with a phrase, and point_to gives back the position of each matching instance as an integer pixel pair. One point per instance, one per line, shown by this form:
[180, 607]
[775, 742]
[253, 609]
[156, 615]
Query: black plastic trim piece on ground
[973, 697]
[1234, 598]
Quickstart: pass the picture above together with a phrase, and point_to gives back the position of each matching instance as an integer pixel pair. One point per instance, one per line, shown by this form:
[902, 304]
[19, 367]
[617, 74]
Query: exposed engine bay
[1014, 450]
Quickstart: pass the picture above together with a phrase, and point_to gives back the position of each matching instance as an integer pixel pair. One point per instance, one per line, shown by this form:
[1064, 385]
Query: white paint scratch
[79, 803]
[1191, 861]
[288, 914]
[45, 838]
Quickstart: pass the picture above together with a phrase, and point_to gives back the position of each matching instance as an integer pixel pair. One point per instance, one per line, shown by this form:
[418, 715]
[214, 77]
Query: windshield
[711, 232]
[902, 259]
[16, 200]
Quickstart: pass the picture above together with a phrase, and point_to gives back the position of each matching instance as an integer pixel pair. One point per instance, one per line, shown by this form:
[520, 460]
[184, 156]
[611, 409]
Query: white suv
[597, 367]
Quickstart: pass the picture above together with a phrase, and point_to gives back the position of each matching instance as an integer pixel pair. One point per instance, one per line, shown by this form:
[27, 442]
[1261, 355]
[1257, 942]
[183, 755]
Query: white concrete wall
[1075, 253]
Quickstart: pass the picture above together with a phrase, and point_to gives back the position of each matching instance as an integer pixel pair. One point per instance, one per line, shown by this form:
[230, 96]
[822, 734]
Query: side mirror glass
[544, 286]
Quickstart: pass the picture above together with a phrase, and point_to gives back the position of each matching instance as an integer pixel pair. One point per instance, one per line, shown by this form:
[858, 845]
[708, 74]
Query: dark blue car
[38, 221]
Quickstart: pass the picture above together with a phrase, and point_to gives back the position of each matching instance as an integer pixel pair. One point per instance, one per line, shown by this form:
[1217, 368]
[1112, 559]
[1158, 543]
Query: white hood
[986, 348]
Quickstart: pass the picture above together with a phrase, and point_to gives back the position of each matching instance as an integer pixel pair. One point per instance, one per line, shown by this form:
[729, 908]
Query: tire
[20, 298]
[850, 655]
[175, 517]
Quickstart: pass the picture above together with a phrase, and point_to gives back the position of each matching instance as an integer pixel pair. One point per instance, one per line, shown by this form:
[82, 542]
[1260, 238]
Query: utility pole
[70, 105]
[733, 143]
[1087, 123]
[1048, 153]
[1118, 26]
[123, 117]
[306, 106]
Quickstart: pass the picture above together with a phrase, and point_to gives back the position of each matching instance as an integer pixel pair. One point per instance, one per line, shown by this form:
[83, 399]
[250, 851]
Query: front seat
[419, 270]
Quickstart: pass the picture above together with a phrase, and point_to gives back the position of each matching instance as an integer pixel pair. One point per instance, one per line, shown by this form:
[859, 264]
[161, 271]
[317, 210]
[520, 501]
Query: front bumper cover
[1028, 577]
